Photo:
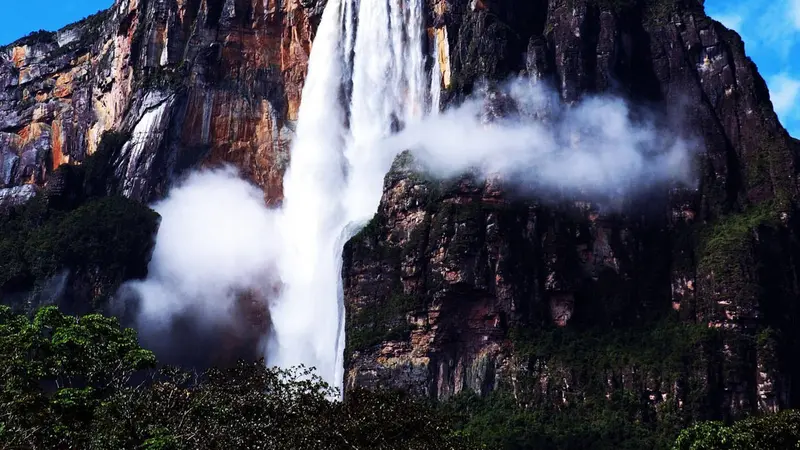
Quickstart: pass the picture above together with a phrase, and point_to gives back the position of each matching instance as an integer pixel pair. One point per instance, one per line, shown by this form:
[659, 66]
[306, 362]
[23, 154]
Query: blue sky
[20, 17]
[770, 28]
[771, 33]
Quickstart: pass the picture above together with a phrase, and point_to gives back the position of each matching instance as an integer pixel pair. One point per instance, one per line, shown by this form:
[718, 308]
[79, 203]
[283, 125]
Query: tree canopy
[770, 432]
[83, 382]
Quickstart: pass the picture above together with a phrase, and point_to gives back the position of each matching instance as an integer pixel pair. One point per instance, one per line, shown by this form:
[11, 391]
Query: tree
[56, 369]
[770, 432]
[74, 382]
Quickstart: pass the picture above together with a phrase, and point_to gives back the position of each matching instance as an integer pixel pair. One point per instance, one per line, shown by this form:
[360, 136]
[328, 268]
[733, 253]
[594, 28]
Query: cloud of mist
[598, 146]
[215, 242]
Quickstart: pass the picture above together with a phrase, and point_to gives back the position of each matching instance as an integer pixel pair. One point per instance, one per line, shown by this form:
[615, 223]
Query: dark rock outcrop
[687, 297]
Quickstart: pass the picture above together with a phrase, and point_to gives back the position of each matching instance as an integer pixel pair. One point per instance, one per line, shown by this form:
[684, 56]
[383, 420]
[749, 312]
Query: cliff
[193, 81]
[680, 302]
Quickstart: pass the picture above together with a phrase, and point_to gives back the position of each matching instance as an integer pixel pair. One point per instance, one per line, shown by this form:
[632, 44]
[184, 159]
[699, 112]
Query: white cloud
[784, 91]
[216, 241]
[774, 29]
[794, 10]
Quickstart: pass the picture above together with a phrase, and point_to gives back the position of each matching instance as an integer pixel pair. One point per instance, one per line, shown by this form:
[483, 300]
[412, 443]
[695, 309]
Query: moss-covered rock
[383, 320]
[98, 245]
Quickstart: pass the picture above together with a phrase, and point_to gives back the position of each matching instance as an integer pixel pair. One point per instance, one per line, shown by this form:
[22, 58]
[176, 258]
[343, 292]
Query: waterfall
[303, 318]
[436, 78]
[373, 50]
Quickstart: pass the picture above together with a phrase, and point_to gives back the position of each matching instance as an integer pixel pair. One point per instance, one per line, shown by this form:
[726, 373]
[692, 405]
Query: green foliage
[498, 422]
[725, 242]
[771, 432]
[371, 241]
[66, 383]
[81, 358]
[92, 25]
[663, 347]
[590, 414]
[33, 38]
[252, 406]
[111, 233]
[371, 231]
[394, 420]
[108, 239]
[380, 321]
[767, 344]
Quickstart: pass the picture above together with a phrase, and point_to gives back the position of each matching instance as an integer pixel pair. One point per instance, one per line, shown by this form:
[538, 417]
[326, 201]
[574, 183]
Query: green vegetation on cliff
[498, 422]
[74, 228]
[108, 240]
[607, 389]
[725, 242]
[664, 347]
[379, 322]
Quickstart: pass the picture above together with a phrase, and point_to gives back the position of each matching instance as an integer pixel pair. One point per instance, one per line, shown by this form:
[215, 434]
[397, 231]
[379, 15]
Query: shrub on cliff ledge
[33, 38]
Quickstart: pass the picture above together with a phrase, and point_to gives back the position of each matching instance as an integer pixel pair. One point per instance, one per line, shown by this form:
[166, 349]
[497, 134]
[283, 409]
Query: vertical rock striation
[684, 299]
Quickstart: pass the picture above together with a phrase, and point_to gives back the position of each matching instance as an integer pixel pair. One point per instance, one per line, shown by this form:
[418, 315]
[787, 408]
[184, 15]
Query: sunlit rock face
[444, 284]
[194, 81]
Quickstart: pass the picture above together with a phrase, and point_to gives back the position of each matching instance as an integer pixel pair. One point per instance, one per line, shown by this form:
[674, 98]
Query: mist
[215, 246]
[538, 144]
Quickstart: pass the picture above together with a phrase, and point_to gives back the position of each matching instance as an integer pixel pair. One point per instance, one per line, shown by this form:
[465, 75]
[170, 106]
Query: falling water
[333, 185]
[436, 79]
[303, 318]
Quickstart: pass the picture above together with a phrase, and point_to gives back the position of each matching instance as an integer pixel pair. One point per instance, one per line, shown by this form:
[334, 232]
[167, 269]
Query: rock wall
[173, 85]
[461, 286]
[193, 81]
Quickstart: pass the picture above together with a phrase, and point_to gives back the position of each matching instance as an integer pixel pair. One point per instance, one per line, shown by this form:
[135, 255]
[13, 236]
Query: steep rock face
[191, 80]
[457, 286]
